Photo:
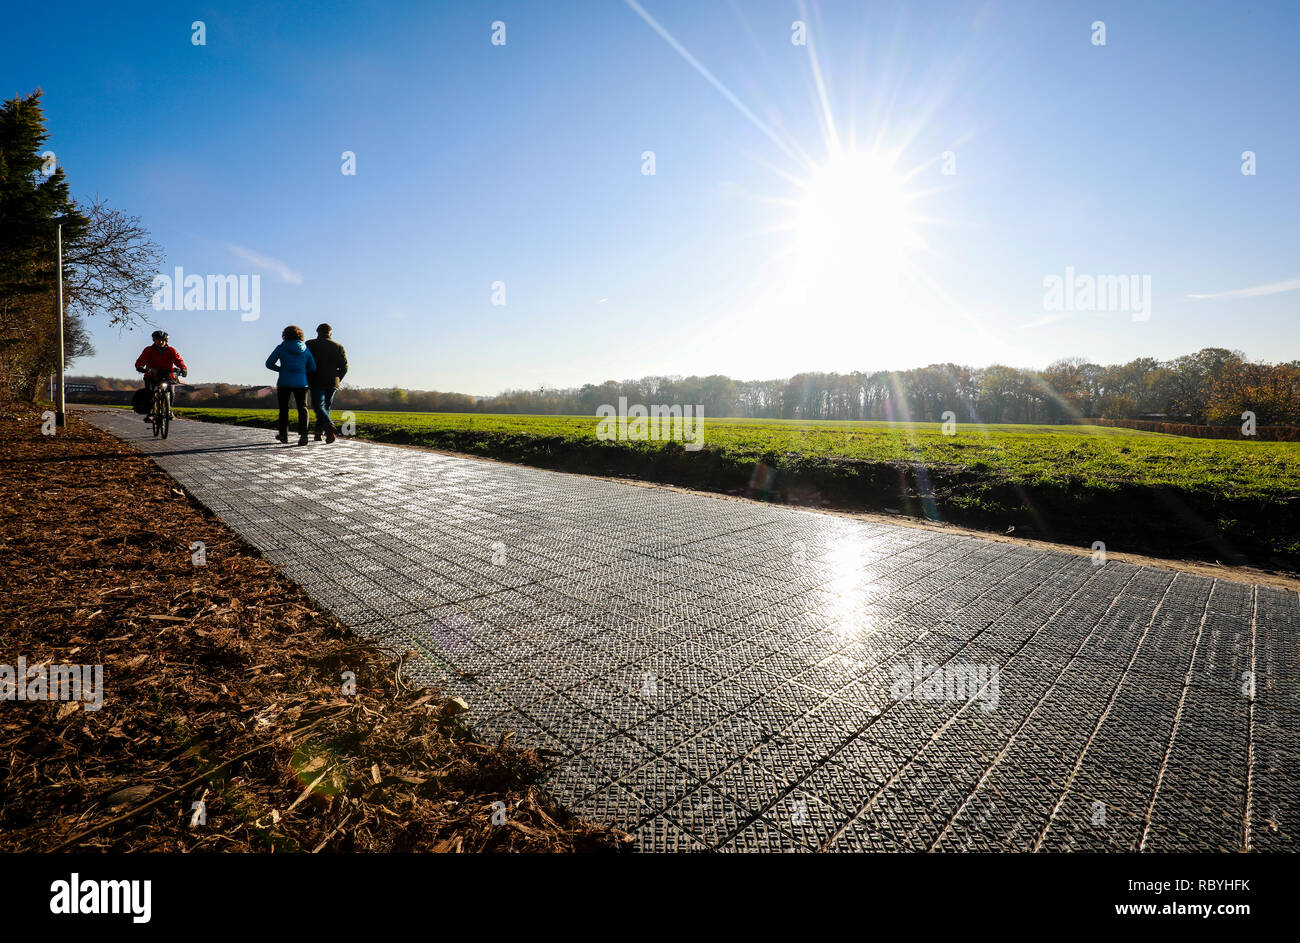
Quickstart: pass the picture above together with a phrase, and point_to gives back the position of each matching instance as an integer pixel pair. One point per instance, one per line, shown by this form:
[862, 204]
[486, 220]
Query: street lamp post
[59, 404]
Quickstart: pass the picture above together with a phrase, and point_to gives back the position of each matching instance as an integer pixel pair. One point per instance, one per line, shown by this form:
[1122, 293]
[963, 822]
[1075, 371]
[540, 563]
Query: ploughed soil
[228, 720]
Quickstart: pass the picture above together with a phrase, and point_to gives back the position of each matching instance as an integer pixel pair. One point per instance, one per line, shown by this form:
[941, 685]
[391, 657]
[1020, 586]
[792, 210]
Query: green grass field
[1133, 490]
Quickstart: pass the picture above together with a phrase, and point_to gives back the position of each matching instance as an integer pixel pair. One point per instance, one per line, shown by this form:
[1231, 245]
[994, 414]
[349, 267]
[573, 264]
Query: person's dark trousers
[300, 400]
[149, 385]
[321, 401]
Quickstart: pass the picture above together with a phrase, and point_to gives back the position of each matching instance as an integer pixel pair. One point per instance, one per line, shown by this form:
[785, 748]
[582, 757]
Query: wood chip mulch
[225, 724]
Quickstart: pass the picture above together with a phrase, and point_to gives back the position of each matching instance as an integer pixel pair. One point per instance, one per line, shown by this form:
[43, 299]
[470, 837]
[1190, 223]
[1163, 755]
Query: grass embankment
[222, 684]
[1136, 491]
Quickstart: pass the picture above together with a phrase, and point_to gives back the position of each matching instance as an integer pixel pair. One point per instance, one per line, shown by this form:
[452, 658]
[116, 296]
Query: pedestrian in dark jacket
[293, 361]
[331, 368]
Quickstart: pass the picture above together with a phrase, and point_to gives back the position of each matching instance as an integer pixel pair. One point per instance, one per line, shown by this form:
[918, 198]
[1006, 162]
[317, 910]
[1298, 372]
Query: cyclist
[158, 362]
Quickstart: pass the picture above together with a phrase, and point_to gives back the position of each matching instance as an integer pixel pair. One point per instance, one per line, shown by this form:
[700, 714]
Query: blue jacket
[295, 362]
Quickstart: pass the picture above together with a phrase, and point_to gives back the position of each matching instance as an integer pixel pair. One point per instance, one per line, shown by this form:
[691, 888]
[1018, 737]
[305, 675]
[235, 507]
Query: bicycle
[161, 412]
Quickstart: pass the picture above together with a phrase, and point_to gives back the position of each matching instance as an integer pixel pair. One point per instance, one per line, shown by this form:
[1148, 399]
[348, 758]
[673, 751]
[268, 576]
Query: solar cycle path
[723, 675]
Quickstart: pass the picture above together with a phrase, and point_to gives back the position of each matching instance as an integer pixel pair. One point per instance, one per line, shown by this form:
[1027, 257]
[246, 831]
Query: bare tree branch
[110, 269]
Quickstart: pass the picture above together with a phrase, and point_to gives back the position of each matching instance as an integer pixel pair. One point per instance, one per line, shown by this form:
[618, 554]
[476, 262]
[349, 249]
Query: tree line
[1211, 386]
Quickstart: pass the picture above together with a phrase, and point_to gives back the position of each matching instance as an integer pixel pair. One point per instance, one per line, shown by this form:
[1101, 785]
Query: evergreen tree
[34, 199]
[109, 261]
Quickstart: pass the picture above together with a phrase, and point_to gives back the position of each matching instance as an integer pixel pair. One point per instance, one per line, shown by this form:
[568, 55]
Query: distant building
[81, 388]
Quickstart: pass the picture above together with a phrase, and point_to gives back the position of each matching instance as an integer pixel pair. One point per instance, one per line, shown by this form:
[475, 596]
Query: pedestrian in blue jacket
[293, 361]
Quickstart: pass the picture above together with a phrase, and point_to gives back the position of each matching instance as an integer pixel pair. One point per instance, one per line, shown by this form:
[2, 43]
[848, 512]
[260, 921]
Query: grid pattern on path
[714, 674]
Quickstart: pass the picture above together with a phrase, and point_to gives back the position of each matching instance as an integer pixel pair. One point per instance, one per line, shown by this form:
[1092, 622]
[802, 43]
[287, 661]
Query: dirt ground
[236, 715]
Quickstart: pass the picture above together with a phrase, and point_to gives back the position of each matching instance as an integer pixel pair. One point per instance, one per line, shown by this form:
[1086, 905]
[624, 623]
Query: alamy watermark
[23, 682]
[181, 292]
[960, 681]
[1076, 292]
[78, 896]
[637, 423]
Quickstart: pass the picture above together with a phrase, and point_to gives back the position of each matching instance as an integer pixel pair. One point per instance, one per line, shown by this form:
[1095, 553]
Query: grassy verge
[1141, 492]
[223, 685]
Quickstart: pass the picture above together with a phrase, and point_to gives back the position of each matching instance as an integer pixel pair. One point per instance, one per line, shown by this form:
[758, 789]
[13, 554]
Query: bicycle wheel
[166, 413]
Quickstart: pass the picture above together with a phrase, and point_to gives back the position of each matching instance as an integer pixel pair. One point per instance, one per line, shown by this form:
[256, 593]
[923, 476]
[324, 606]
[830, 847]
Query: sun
[856, 228]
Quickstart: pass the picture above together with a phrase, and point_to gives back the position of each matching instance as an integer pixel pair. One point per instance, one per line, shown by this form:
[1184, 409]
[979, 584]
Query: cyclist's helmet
[160, 336]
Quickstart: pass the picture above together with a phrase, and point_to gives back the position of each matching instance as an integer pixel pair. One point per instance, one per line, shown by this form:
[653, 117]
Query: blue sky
[522, 163]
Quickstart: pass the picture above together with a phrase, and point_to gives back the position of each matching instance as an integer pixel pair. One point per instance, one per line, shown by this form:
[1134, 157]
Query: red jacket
[163, 361]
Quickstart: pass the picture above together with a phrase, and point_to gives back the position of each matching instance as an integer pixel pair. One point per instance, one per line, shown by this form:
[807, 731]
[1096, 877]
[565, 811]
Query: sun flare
[855, 228]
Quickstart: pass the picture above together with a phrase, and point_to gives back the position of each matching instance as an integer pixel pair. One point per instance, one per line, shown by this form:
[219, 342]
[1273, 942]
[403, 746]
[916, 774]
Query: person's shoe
[317, 437]
[282, 437]
[148, 419]
[302, 440]
[330, 436]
